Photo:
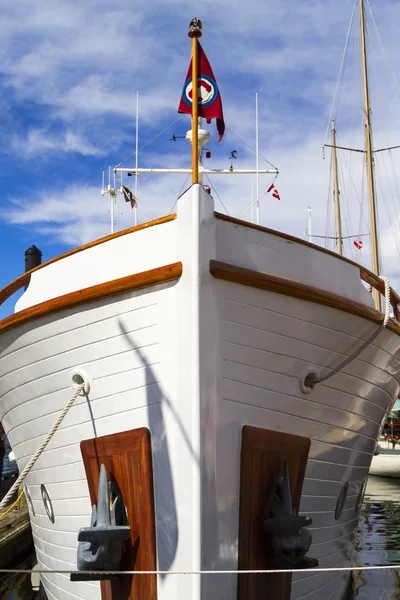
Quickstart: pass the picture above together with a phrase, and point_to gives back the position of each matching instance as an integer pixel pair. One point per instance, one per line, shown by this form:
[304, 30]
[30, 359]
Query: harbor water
[377, 543]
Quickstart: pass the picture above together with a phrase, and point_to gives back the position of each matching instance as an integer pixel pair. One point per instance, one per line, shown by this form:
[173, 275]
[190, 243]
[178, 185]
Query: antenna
[232, 157]
[113, 195]
[257, 169]
[309, 223]
[252, 201]
[137, 155]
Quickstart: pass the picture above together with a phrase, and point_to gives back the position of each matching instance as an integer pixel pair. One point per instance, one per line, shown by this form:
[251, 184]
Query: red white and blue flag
[209, 99]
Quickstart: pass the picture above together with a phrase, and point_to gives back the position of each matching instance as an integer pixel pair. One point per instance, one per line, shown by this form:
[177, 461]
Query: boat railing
[366, 275]
[377, 283]
[24, 279]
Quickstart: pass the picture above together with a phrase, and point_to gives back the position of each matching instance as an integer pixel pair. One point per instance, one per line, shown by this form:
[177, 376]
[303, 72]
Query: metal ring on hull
[47, 503]
[29, 499]
[341, 501]
[79, 377]
[308, 378]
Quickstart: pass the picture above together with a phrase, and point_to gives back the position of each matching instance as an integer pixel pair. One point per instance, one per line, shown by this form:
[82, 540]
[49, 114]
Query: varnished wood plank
[127, 457]
[103, 290]
[366, 275]
[263, 454]
[280, 285]
[377, 283]
[24, 279]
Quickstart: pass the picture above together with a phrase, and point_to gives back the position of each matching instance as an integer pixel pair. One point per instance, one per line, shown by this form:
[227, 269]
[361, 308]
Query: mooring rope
[12, 506]
[367, 342]
[223, 572]
[42, 447]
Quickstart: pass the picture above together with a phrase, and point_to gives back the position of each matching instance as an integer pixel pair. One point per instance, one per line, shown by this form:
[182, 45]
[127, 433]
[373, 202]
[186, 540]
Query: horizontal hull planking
[220, 344]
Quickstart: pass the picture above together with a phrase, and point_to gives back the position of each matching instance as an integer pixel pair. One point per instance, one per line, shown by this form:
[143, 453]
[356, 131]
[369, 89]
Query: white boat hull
[194, 361]
[387, 463]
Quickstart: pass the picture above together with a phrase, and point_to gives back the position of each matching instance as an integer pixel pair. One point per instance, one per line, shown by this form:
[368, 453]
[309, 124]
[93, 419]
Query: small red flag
[358, 244]
[275, 193]
[210, 103]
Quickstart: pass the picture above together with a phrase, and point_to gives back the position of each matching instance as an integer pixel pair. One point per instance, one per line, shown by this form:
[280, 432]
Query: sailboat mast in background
[336, 192]
[369, 158]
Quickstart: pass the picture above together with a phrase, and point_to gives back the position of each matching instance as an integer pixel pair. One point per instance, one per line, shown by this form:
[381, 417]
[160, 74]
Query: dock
[15, 534]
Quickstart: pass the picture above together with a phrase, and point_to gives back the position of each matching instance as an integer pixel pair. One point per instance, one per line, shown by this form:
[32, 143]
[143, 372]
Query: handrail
[296, 289]
[378, 284]
[15, 285]
[25, 278]
[136, 281]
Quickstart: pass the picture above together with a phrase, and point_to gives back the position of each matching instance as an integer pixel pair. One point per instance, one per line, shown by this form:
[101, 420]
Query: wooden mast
[195, 33]
[369, 157]
[336, 193]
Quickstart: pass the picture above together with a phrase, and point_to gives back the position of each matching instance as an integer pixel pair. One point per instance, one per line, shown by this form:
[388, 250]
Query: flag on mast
[209, 99]
[358, 244]
[275, 193]
[129, 196]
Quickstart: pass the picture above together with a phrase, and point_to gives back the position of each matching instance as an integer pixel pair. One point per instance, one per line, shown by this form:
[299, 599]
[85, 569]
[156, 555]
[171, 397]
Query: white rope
[367, 342]
[42, 446]
[233, 572]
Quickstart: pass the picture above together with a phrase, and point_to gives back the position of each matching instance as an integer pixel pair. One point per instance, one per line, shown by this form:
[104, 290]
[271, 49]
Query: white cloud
[38, 141]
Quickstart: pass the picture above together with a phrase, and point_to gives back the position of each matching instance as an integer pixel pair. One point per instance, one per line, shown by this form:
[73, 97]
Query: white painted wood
[194, 361]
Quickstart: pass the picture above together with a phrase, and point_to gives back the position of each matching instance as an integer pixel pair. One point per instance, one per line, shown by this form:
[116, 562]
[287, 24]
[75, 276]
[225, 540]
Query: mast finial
[195, 28]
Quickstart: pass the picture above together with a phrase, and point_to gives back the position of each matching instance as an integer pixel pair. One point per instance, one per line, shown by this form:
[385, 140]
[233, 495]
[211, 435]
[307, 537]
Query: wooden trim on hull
[365, 274]
[129, 283]
[287, 287]
[24, 279]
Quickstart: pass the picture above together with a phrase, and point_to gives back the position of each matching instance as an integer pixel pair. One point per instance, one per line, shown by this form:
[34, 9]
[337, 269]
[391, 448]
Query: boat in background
[386, 461]
[219, 402]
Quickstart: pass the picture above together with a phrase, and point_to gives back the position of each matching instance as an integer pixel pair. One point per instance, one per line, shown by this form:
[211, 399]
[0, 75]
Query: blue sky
[69, 72]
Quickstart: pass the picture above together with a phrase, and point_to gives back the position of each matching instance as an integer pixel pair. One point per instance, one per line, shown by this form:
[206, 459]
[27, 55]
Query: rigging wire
[386, 201]
[388, 63]
[346, 205]
[392, 195]
[251, 148]
[329, 205]
[361, 203]
[357, 116]
[391, 220]
[341, 71]
[179, 194]
[334, 109]
[353, 185]
[149, 142]
[151, 214]
[216, 193]
[263, 193]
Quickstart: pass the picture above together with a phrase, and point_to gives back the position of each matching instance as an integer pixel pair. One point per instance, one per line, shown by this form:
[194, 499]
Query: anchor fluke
[285, 530]
[100, 545]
